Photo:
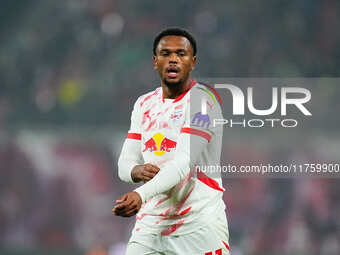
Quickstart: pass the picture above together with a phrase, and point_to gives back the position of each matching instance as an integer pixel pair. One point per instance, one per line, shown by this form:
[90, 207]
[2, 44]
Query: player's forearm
[125, 168]
[173, 172]
[130, 156]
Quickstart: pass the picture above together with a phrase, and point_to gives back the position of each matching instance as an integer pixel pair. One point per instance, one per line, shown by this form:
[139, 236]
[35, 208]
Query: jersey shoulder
[149, 97]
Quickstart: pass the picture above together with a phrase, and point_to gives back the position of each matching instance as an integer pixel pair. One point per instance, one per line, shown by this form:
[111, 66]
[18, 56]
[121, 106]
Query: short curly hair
[175, 31]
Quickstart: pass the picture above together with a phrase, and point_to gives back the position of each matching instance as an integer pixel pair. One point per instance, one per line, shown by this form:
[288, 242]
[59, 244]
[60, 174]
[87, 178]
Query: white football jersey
[179, 136]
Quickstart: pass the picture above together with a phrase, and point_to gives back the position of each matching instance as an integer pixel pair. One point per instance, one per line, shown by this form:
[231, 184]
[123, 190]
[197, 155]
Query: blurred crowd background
[70, 72]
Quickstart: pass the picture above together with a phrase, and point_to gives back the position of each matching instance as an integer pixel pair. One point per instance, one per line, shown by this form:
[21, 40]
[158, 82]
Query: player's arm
[130, 164]
[189, 147]
[171, 174]
[195, 135]
[131, 167]
[131, 155]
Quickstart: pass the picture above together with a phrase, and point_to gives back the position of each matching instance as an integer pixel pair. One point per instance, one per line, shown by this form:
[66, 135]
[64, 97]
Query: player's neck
[174, 92]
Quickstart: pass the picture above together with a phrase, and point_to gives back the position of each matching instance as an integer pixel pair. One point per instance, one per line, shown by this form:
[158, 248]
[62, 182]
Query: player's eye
[164, 53]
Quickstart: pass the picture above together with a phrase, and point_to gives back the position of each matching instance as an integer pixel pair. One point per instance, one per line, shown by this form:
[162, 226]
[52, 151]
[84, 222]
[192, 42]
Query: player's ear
[193, 63]
[155, 62]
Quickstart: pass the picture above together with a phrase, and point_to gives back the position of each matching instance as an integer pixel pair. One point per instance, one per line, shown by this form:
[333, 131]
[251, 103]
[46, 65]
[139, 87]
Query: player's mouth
[172, 72]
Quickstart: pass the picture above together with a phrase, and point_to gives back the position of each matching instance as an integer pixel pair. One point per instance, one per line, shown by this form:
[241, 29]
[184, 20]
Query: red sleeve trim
[135, 136]
[208, 181]
[226, 245]
[196, 132]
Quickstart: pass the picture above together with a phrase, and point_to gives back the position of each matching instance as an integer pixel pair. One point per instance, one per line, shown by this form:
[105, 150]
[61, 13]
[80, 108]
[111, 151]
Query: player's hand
[129, 204]
[144, 172]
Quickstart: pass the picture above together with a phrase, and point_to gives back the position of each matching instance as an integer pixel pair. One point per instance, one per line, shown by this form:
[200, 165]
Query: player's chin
[171, 83]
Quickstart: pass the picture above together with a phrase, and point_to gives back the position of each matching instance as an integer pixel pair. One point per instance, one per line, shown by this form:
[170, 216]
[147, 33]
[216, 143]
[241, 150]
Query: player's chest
[168, 118]
[161, 125]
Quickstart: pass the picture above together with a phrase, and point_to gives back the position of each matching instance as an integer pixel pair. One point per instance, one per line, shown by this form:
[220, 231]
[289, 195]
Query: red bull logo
[159, 144]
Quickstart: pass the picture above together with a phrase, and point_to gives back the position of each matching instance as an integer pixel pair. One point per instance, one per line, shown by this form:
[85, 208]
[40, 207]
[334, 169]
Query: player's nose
[173, 58]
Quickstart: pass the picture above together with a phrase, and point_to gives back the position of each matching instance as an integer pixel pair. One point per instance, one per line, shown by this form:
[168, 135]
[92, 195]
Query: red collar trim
[184, 93]
[193, 82]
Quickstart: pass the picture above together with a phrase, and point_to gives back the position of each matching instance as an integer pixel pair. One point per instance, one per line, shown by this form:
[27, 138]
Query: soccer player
[179, 207]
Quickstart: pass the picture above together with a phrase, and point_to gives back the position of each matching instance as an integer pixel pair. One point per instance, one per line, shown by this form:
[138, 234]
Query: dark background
[70, 72]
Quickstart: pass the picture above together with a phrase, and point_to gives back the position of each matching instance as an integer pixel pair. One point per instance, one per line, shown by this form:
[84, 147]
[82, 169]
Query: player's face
[174, 60]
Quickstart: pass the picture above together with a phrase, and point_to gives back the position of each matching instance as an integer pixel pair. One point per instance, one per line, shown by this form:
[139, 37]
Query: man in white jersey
[171, 141]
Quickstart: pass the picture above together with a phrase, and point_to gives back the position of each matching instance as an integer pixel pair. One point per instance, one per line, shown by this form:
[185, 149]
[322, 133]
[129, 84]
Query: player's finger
[146, 179]
[122, 206]
[155, 168]
[149, 175]
[130, 212]
[151, 172]
[119, 207]
[130, 203]
[127, 205]
[115, 211]
[119, 212]
[123, 211]
[121, 199]
[152, 168]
